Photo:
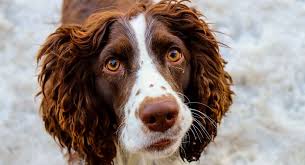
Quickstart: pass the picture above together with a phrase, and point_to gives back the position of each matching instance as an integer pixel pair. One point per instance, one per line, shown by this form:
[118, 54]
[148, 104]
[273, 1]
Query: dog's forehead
[135, 29]
[138, 26]
[138, 22]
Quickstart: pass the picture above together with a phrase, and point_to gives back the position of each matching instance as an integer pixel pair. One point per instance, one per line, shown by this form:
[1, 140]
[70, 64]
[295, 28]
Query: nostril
[169, 116]
[152, 120]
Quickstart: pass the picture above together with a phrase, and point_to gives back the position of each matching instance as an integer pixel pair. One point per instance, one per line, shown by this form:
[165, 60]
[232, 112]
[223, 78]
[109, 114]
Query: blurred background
[265, 126]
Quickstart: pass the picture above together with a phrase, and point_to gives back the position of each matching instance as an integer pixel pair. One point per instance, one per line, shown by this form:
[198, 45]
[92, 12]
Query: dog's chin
[162, 149]
[159, 149]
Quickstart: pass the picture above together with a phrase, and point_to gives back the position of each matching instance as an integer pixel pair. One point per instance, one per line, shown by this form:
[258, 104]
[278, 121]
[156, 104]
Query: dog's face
[144, 71]
[144, 80]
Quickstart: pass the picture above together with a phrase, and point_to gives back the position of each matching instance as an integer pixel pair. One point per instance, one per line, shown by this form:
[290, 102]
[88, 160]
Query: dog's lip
[160, 144]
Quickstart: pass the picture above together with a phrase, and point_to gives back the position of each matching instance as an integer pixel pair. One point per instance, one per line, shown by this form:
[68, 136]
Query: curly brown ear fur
[70, 108]
[209, 90]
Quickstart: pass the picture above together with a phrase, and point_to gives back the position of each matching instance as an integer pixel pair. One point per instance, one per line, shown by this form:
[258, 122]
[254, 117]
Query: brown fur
[77, 11]
[72, 110]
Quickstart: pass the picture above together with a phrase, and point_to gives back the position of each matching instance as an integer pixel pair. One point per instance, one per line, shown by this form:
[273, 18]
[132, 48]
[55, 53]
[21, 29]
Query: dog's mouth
[160, 145]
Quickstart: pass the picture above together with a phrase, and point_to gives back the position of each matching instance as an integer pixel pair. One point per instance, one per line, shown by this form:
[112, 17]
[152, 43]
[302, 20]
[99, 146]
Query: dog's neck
[124, 158]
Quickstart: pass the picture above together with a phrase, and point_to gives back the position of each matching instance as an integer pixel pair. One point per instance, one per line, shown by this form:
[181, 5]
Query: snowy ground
[266, 124]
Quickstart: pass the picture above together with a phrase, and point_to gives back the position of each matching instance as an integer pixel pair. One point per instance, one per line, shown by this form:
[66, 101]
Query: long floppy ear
[70, 108]
[209, 89]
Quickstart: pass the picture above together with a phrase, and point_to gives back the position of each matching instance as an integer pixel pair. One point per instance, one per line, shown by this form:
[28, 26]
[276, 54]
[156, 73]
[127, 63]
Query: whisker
[199, 132]
[193, 133]
[201, 104]
[196, 110]
[204, 130]
[210, 119]
[206, 116]
[186, 138]
[184, 96]
[182, 149]
[195, 129]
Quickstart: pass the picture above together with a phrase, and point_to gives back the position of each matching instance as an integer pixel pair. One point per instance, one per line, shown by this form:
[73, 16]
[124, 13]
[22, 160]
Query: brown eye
[174, 56]
[113, 65]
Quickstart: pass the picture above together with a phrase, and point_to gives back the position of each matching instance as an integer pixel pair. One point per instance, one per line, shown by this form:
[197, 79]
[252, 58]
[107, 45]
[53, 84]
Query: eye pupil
[113, 65]
[174, 56]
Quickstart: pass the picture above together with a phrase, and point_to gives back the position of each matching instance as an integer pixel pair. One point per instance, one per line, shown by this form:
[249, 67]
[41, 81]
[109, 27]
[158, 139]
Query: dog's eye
[113, 65]
[174, 56]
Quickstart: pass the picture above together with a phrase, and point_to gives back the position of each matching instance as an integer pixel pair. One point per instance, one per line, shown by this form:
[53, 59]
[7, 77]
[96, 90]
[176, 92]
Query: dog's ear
[69, 107]
[209, 89]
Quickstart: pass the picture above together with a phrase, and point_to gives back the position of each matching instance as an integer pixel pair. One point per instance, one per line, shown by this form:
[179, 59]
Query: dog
[132, 82]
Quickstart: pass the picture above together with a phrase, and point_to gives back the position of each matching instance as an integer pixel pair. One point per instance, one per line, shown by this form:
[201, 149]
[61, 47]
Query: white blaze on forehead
[147, 73]
[139, 27]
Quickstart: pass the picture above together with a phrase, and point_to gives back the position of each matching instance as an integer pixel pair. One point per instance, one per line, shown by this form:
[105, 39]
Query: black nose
[160, 114]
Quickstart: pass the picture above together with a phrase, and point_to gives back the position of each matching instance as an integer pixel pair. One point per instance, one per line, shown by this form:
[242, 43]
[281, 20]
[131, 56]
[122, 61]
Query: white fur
[133, 139]
[123, 158]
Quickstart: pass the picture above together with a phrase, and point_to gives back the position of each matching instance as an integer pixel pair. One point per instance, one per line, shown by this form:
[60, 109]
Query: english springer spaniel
[132, 82]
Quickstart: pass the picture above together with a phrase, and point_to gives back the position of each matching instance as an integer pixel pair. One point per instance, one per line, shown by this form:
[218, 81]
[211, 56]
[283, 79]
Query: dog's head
[151, 81]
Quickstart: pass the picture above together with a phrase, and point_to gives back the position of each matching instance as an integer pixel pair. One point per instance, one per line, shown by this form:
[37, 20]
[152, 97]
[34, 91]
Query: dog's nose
[159, 115]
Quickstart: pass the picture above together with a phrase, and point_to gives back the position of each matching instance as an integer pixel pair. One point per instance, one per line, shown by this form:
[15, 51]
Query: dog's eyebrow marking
[162, 87]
